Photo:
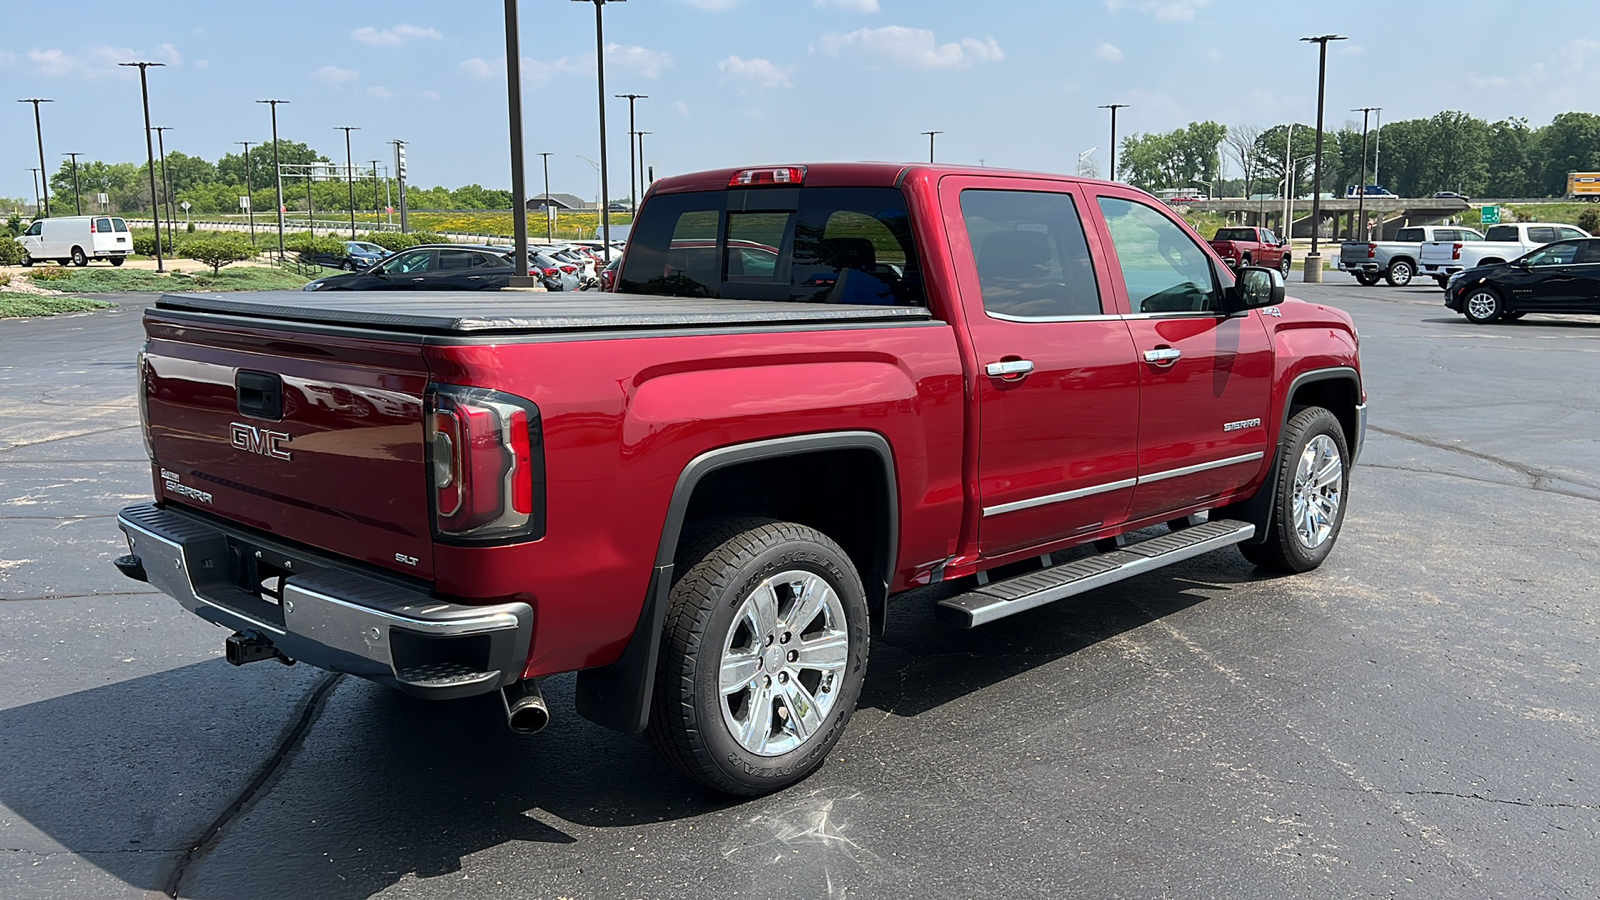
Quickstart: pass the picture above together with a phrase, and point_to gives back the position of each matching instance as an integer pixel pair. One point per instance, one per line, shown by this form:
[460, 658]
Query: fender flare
[617, 696]
[1258, 508]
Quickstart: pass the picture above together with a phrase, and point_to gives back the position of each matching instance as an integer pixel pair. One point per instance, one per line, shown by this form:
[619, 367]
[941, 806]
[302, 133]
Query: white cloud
[174, 58]
[381, 92]
[537, 72]
[51, 63]
[1107, 52]
[860, 6]
[754, 73]
[911, 48]
[680, 107]
[202, 64]
[95, 62]
[1162, 10]
[397, 36]
[335, 75]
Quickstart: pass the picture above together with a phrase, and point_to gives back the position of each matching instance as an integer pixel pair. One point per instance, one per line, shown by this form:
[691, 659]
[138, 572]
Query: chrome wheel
[783, 662]
[1483, 306]
[1318, 491]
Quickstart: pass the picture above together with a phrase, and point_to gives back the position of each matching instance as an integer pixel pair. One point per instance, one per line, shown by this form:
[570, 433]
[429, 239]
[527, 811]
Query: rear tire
[1313, 480]
[117, 260]
[1443, 280]
[762, 658]
[1399, 274]
[1482, 306]
[1367, 280]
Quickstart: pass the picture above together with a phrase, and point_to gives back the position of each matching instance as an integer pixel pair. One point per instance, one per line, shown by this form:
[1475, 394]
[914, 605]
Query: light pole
[1112, 175]
[930, 135]
[548, 227]
[77, 191]
[1313, 268]
[250, 203]
[1377, 144]
[519, 184]
[377, 209]
[166, 186]
[597, 182]
[1361, 201]
[642, 186]
[38, 130]
[600, 64]
[277, 168]
[633, 173]
[349, 174]
[150, 153]
[38, 206]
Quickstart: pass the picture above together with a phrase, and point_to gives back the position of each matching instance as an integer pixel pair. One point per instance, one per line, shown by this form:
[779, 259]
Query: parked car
[1449, 195]
[76, 240]
[1250, 246]
[351, 257]
[431, 267]
[701, 494]
[557, 274]
[1501, 243]
[1396, 260]
[608, 275]
[1563, 277]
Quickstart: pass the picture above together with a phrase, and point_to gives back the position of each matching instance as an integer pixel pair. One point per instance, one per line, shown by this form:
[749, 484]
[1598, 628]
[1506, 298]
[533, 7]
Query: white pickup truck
[1502, 243]
[1396, 260]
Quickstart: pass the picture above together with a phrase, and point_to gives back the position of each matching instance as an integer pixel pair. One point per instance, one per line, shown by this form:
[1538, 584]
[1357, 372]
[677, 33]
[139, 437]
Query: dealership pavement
[1418, 718]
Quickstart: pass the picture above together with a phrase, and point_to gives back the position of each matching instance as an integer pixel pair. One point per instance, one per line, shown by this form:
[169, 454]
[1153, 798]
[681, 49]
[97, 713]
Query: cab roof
[850, 174]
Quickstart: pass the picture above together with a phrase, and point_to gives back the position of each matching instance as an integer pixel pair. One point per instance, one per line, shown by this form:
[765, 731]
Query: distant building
[559, 201]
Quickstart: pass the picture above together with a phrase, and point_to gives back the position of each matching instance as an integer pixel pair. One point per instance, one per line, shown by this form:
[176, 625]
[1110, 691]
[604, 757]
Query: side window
[488, 261]
[1554, 254]
[102, 226]
[453, 260]
[672, 251]
[35, 229]
[413, 263]
[1467, 234]
[1589, 252]
[1568, 234]
[854, 246]
[119, 225]
[1543, 234]
[1033, 259]
[1417, 236]
[1164, 269]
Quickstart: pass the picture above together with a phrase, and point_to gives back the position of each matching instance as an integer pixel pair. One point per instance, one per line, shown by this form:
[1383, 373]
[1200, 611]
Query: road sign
[1491, 215]
[103, 199]
[185, 205]
[244, 202]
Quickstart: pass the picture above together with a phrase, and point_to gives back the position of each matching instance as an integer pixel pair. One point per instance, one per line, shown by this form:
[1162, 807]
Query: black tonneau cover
[468, 312]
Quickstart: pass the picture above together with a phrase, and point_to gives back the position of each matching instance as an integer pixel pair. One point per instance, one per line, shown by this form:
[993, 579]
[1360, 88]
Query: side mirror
[1257, 287]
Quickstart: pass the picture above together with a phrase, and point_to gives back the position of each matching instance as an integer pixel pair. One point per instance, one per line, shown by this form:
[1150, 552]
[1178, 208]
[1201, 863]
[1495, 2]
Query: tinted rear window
[103, 226]
[810, 245]
[119, 225]
[1235, 234]
[1502, 233]
[1543, 234]
[1417, 236]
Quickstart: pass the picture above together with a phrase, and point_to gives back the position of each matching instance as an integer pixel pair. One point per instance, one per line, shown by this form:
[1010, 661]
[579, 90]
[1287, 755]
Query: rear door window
[1417, 236]
[1165, 271]
[1033, 259]
[1568, 234]
[1543, 234]
[451, 260]
[810, 245]
[1502, 233]
[119, 225]
[102, 226]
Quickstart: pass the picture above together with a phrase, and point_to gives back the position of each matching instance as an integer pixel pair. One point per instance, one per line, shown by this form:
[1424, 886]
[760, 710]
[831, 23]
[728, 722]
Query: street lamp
[38, 207]
[377, 210]
[1313, 268]
[519, 186]
[77, 191]
[633, 173]
[249, 203]
[166, 186]
[349, 174]
[548, 226]
[930, 135]
[600, 64]
[150, 152]
[1112, 175]
[277, 168]
[1361, 200]
[38, 130]
[642, 187]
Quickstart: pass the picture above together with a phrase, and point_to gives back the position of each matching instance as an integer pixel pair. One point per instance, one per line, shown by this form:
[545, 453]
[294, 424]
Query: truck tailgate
[318, 438]
[1353, 253]
[1438, 253]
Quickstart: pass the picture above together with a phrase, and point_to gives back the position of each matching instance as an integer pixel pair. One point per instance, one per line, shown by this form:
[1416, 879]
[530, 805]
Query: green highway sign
[1491, 215]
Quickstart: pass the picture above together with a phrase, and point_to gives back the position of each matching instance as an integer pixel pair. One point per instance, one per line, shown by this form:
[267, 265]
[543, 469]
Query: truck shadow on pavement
[149, 778]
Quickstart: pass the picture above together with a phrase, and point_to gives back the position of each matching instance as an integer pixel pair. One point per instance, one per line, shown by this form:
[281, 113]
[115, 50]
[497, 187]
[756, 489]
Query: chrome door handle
[1164, 356]
[1010, 368]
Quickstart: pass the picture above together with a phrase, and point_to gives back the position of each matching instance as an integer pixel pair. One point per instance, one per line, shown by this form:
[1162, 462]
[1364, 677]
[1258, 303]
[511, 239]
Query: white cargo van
[77, 239]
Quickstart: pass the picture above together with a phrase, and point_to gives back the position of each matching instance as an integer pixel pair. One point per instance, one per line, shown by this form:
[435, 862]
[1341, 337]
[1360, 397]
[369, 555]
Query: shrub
[306, 243]
[189, 228]
[51, 272]
[218, 250]
[391, 240]
[144, 242]
[428, 237]
[1589, 219]
[14, 225]
[11, 252]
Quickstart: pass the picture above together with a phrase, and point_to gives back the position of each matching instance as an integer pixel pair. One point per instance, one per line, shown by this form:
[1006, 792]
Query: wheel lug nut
[786, 637]
[766, 681]
[769, 640]
[794, 655]
[783, 677]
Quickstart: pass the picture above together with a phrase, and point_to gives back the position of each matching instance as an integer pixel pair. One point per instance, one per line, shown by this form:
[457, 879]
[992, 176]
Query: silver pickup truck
[1396, 261]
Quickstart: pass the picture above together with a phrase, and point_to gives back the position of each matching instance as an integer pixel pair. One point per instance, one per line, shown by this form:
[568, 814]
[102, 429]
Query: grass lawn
[243, 278]
[14, 305]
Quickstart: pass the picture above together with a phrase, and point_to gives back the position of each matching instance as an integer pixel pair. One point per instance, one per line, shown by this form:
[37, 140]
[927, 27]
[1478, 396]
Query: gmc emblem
[260, 440]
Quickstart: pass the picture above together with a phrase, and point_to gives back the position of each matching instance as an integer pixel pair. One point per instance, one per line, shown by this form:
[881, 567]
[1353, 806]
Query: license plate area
[259, 574]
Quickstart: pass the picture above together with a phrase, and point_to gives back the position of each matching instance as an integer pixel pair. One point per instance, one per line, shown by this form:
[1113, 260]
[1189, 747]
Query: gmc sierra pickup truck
[1396, 261]
[701, 492]
[1251, 246]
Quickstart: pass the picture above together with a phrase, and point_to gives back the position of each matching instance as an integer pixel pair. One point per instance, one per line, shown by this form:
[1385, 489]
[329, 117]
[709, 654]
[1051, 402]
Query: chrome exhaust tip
[526, 712]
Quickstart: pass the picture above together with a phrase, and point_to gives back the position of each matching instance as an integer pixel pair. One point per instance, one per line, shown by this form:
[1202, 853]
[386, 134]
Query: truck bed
[477, 313]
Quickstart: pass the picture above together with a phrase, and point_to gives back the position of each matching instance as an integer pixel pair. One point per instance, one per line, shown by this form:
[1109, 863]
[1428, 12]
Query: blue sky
[759, 81]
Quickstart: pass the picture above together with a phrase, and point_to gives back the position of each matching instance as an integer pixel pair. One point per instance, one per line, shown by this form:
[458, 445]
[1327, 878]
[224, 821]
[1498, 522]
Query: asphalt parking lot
[1418, 718]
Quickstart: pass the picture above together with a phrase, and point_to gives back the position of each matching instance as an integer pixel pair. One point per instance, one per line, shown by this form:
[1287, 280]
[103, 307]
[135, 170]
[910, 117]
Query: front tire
[1399, 274]
[1482, 306]
[763, 657]
[79, 258]
[1313, 479]
[1285, 266]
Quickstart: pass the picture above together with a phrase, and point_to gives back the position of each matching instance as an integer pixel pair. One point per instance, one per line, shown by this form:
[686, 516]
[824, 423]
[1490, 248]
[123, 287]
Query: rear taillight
[779, 175]
[142, 364]
[92, 229]
[1372, 251]
[485, 465]
[1455, 252]
[551, 271]
[569, 269]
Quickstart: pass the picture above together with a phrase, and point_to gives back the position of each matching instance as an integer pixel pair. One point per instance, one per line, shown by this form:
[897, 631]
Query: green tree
[1271, 147]
[1183, 158]
[218, 249]
[1570, 143]
[1512, 160]
[230, 168]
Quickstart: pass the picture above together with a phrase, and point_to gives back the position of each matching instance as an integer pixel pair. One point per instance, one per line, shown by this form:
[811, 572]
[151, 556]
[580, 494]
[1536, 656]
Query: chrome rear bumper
[330, 617]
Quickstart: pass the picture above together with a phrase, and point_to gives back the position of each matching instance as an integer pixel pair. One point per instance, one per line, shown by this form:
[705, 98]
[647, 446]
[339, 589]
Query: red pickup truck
[700, 493]
[1250, 246]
